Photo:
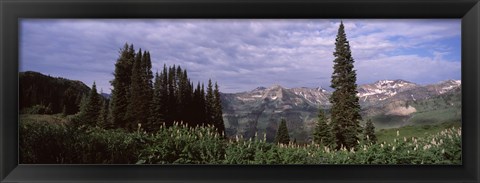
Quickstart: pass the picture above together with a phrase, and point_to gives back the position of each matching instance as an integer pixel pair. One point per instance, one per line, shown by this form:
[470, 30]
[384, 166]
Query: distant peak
[451, 81]
[383, 82]
[321, 89]
[259, 88]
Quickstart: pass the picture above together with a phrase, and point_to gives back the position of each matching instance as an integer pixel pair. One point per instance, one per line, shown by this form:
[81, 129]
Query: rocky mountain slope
[261, 109]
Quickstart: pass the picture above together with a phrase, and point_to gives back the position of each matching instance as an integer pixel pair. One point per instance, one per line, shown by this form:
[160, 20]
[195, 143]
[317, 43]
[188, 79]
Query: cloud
[244, 54]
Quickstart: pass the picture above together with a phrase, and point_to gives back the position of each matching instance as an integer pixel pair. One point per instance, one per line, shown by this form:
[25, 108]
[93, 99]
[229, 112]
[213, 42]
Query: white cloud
[244, 54]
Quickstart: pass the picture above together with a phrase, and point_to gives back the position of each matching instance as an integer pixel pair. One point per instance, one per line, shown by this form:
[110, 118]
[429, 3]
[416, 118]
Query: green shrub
[37, 109]
[179, 144]
[43, 143]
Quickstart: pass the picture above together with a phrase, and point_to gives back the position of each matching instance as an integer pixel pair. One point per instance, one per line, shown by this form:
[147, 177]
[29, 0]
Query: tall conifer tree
[172, 99]
[158, 104]
[146, 91]
[203, 106]
[121, 85]
[209, 104]
[218, 114]
[345, 111]
[136, 106]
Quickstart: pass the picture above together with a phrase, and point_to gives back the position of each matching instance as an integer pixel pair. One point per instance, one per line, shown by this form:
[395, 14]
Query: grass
[44, 118]
[436, 116]
[418, 131]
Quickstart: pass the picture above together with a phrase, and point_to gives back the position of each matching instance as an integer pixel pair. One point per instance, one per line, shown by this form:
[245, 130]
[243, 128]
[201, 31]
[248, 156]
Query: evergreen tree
[282, 136]
[217, 111]
[323, 132]
[137, 106]
[121, 86]
[203, 106]
[158, 103]
[147, 86]
[197, 107]
[104, 112]
[171, 109]
[369, 134]
[91, 111]
[181, 94]
[83, 104]
[209, 104]
[147, 91]
[345, 111]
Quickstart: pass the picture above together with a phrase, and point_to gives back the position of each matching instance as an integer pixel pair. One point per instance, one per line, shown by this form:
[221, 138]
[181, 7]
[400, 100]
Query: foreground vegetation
[53, 143]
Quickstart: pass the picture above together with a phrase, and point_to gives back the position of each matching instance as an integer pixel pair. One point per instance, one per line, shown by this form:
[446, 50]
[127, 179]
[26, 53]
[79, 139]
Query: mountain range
[389, 103]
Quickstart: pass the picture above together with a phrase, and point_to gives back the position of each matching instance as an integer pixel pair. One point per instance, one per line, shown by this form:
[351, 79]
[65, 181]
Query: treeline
[43, 94]
[143, 100]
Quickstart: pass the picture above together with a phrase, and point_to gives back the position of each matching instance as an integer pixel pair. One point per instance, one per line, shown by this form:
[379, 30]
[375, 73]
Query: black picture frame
[11, 11]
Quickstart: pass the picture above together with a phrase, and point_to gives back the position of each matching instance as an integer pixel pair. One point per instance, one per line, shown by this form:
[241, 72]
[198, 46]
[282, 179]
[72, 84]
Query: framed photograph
[257, 91]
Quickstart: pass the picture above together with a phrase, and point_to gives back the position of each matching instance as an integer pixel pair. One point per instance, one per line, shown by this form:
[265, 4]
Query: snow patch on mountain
[384, 88]
[449, 85]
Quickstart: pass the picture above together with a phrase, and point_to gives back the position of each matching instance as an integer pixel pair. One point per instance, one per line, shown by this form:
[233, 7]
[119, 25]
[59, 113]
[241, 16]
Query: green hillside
[417, 131]
[54, 94]
[440, 109]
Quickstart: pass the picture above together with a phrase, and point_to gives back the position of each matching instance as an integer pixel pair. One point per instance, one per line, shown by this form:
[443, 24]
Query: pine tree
[137, 107]
[282, 136]
[146, 92]
[147, 86]
[209, 104]
[203, 107]
[345, 111]
[322, 133]
[217, 111]
[172, 99]
[369, 134]
[181, 95]
[83, 104]
[158, 103]
[91, 111]
[121, 86]
[104, 112]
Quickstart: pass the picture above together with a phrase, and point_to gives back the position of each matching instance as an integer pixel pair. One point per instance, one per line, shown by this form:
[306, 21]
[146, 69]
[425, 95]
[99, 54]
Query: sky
[243, 54]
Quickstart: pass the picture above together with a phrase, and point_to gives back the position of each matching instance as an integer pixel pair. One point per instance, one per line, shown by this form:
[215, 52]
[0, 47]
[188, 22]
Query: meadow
[50, 139]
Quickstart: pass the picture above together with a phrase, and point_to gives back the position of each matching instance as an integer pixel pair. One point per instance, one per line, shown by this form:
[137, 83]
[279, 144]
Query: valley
[389, 103]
